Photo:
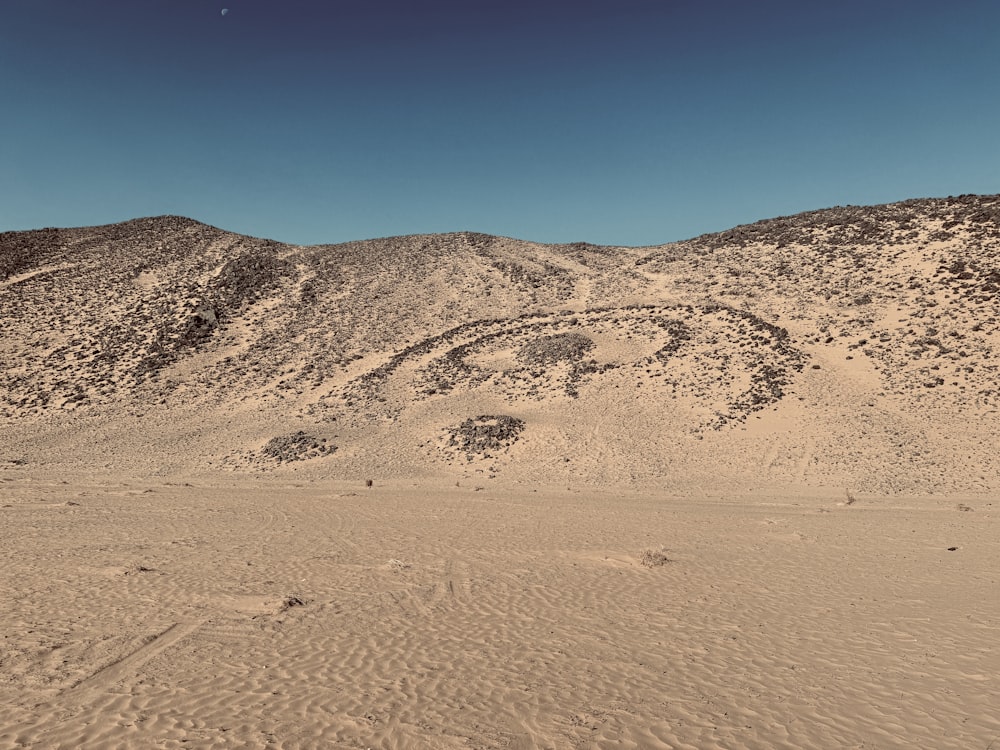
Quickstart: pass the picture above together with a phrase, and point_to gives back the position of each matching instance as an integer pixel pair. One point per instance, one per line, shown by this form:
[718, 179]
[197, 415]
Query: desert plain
[464, 491]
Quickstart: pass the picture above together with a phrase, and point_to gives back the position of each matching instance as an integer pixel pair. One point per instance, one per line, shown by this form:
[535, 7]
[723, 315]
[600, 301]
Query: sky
[624, 122]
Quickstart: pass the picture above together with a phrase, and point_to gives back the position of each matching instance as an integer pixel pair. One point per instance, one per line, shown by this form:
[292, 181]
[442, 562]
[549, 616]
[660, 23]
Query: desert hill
[853, 347]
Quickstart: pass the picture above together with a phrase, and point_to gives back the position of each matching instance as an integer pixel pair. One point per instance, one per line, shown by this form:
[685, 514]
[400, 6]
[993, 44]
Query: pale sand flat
[431, 616]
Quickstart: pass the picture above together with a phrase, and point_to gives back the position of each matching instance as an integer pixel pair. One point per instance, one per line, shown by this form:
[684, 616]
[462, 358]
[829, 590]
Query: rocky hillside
[853, 347]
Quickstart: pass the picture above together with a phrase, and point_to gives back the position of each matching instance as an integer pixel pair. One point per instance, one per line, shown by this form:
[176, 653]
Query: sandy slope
[264, 614]
[800, 415]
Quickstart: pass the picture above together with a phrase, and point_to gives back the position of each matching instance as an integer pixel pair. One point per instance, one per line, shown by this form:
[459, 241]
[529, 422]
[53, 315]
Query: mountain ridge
[789, 340]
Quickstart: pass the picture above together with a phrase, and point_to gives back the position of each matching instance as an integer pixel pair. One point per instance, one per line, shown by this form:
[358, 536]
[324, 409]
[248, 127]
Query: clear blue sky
[611, 121]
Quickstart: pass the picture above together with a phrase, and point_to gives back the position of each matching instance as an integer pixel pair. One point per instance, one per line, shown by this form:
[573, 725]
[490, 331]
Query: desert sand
[737, 491]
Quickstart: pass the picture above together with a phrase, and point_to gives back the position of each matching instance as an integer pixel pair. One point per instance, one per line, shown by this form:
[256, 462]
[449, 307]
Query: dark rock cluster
[540, 277]
[248, 276]
[480, 436]
[298, 446]
[559, 347]
[22, 251]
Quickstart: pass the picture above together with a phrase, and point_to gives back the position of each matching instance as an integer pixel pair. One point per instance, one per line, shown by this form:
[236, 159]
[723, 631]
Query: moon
[225, 10]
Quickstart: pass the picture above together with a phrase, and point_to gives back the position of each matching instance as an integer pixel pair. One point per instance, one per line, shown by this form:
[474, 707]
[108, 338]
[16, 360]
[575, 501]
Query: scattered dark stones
[552, 352]
[538, 276]
[842, 226]
[679, 333]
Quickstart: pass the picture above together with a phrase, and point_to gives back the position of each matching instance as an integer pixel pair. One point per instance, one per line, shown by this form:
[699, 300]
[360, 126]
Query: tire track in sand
[129, 664]
[90, 694]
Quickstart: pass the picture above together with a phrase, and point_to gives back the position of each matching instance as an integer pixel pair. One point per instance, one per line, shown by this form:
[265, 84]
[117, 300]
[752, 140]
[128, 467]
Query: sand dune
[736, 491]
